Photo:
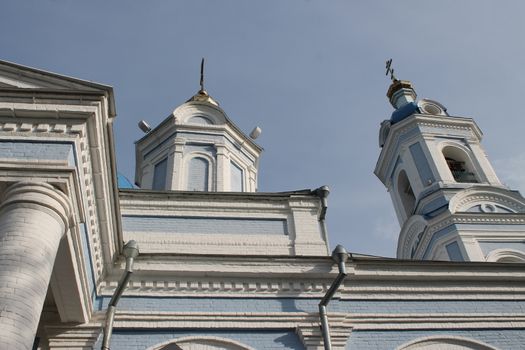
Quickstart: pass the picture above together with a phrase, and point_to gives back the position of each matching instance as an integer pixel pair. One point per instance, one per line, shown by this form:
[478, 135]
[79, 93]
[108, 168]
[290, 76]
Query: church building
[193, 257]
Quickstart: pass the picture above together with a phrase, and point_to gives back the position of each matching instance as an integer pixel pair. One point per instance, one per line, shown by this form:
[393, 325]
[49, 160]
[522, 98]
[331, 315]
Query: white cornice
[85, 126]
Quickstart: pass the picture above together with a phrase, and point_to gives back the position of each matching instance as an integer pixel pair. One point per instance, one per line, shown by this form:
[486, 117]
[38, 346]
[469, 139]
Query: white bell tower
[448, 200]
[197, 148]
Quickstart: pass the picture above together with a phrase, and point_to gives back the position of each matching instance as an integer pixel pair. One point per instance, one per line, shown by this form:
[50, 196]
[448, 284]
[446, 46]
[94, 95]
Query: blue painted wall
[454, 252]
[204, 225]
[425, 173]
[32, 150]
[207, 304]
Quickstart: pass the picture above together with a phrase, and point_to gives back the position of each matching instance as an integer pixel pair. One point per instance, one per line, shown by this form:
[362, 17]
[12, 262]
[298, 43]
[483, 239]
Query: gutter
[130, 251]
[340, 256]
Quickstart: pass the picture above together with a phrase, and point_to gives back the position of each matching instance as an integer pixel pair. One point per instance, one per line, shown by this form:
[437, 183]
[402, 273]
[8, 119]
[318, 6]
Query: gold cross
[390, 70]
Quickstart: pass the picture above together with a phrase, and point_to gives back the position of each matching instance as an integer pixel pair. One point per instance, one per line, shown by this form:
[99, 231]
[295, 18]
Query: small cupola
[197, 148]
[401, 93]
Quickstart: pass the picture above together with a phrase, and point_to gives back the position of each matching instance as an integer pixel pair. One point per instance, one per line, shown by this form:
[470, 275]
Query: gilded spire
[202, 75]
[202, 94]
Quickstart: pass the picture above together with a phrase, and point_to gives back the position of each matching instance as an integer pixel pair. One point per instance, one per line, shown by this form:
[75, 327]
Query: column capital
[221, 148]
[39, 194]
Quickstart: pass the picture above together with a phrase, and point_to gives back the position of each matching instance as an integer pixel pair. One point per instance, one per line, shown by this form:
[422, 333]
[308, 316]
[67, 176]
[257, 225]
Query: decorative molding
[202, 342]
[442, 342]
[446, 281]
[272, 320]
[449, 219]
[464, 200]
[220, 287]
[410, 236]
[72, 336]
[435, 320]
[30, 125]
[311, 336]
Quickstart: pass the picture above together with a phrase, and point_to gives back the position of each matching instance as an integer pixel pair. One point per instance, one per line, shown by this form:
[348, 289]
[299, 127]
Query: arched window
[459, 165]
[198, 174]
[406, 194]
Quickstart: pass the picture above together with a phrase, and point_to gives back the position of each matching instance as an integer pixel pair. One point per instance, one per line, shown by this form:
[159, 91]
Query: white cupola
[197, 148]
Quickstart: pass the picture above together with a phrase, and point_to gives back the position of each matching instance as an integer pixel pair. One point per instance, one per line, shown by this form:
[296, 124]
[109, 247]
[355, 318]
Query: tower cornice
[427, 126]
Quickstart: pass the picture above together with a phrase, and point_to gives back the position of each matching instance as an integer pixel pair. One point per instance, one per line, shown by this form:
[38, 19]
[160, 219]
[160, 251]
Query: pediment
[187, 112]
[487, 201]
[16, 76]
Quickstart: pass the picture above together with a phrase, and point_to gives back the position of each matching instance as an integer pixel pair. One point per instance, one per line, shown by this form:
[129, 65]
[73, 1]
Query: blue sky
[309, 73]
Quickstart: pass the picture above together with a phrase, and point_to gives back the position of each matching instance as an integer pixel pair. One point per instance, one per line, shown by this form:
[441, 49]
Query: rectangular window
[159, 175]
[236, 177]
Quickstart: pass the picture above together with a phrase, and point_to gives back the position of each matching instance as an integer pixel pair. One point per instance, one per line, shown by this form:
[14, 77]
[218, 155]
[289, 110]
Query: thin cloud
[511, 171]
[386, 228]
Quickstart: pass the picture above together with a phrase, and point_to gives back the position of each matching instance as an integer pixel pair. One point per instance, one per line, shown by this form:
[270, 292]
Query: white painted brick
[29, 236]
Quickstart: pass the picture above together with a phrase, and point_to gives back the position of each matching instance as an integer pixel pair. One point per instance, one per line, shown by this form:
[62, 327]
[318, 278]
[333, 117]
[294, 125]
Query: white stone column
[33, 219]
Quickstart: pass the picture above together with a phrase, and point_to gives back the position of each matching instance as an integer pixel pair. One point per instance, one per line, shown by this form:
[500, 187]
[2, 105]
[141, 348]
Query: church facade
[215, 264]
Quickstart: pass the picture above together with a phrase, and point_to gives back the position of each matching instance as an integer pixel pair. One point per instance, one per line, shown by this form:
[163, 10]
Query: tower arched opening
[460, 165]
[405, 193]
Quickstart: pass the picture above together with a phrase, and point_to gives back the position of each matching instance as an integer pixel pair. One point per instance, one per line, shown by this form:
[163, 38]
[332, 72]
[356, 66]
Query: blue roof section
[403, 112]
[123, 181]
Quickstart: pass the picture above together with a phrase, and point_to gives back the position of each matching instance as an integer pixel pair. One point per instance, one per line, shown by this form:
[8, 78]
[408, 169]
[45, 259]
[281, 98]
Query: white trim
[462, 341]
[188, 339]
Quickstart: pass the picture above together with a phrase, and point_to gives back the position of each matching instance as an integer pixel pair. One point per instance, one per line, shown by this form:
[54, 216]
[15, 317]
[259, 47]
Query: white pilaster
[252, 179]
[176, 169]
[33, 219]
[223, 168]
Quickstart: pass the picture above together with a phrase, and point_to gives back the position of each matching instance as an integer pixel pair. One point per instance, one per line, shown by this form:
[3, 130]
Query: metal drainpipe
[340, 256]
[130, 251]
[323, 192]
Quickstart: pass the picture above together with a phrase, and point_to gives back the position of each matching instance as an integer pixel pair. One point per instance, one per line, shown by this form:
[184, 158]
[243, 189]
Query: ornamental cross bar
[390, 70]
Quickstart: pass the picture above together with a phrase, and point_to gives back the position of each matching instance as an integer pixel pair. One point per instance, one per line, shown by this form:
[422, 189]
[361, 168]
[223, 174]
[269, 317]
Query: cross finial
[390, 70]
[202, 75]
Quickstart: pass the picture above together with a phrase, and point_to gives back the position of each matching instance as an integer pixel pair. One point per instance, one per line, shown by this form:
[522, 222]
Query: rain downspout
[323, 192]
[340, 256]
[130, 251]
